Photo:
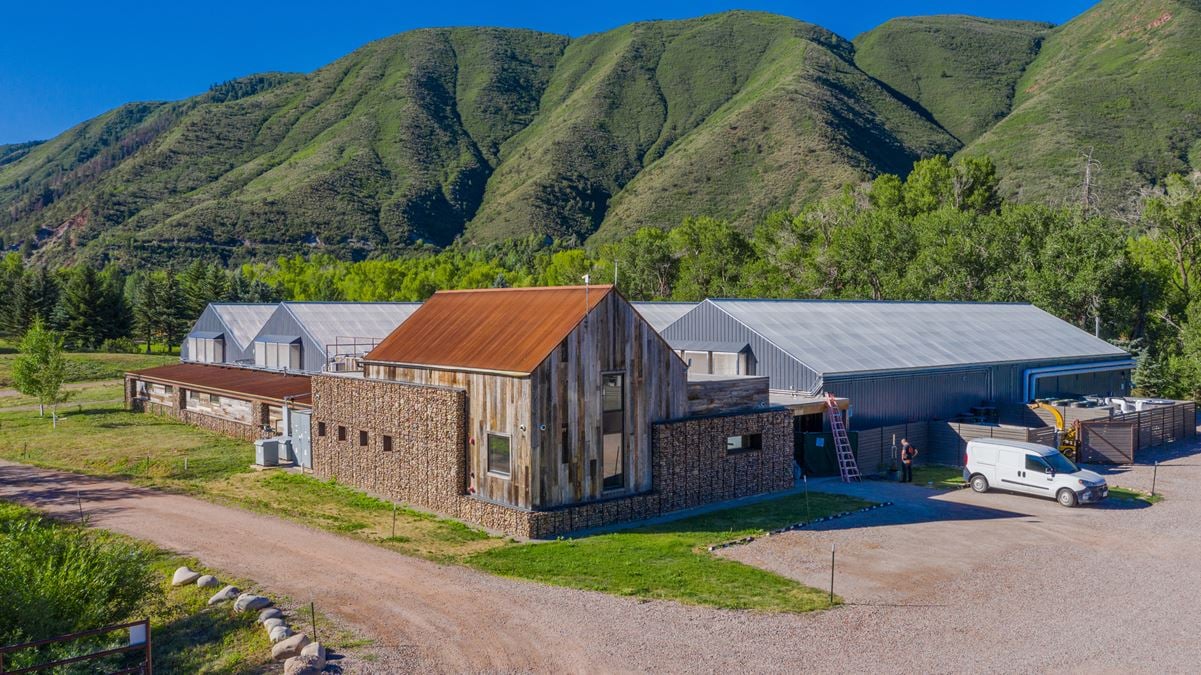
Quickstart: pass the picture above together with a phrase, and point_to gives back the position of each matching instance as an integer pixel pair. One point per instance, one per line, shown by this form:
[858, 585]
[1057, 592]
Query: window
[214, 399]
[321, 428]
[1036, 464]
[698, 362]
[341, 433]
[565, 445]
[206, 350]
[498, 454]
[613, 430]
[193, 395]
[744, 443]
[362, 439]
[387, 444]
[277, 355]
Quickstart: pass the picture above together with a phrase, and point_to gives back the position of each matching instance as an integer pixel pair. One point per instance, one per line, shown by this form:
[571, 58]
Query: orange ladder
[847, 468]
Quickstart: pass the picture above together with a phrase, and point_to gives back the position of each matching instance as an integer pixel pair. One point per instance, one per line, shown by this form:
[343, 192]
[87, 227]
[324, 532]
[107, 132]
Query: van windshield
[1060, 463]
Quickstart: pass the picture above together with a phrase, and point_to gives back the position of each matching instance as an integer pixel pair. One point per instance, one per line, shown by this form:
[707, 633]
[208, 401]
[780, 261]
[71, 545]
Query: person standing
[908, 452]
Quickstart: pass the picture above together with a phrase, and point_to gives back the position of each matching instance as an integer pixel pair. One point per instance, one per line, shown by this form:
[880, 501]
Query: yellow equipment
[1069, 437]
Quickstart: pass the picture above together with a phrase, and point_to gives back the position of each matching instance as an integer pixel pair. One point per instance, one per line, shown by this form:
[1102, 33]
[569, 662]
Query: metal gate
[1106, 442]
[302, 446]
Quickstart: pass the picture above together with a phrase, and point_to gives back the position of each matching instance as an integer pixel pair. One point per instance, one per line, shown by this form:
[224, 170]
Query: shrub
[118, 346]
[58, 579]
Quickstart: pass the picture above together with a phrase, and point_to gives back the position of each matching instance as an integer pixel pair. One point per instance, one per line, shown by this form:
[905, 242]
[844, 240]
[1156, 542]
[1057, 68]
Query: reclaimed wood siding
[567, 391]
[233, 409]
[495, 404]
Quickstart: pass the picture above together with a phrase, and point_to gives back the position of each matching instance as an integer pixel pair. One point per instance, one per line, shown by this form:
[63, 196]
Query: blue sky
[63, 63]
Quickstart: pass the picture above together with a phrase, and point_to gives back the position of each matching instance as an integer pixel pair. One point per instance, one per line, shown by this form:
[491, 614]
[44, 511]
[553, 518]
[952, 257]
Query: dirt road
[1085, 590]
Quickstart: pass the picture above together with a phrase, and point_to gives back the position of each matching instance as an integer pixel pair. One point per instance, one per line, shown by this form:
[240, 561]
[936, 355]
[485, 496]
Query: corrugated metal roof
[497, 329]
[660, 315]
[709, 346]
[848, 336]
[328, 321]
[252, 383]
[244, 320]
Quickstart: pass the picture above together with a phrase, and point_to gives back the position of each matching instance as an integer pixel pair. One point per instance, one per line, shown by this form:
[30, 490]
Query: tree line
[941, 233]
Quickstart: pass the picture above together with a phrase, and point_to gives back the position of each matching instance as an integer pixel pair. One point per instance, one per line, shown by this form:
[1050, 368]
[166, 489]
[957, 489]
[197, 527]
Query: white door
[1011, 470]
[1037, 477]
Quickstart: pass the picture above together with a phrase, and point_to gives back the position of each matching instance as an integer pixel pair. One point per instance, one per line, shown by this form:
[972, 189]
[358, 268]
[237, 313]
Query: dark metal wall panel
[881, 400]
[1008, 383]
[708, 323]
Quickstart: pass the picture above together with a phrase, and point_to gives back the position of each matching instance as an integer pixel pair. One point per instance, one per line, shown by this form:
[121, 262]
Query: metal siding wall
[281, 322]
[1008, 380]
[896, 399]
[707, 323]
[209, 321]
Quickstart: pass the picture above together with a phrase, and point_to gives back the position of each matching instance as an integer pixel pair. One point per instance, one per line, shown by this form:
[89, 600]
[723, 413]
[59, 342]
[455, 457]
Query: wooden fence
[875, 445]
[940, 442]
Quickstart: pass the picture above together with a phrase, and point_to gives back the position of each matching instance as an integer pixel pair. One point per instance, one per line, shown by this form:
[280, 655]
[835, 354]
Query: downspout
[1030, 376]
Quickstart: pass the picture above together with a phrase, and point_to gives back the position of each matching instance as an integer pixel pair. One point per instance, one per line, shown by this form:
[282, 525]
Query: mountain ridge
[480, 134]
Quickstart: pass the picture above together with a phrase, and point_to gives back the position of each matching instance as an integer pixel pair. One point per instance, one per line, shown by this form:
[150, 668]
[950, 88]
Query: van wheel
[1066, 497]
[979, 483]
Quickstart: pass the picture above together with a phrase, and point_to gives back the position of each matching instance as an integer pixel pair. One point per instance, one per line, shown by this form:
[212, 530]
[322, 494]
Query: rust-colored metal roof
[508, 330]
[247, 382]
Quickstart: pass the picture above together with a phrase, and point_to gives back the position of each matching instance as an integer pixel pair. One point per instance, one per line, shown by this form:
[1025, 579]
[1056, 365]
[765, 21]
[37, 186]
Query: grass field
[84, 367]
[670, 562]
[938, 476]
[665, 561]
[1129, 494]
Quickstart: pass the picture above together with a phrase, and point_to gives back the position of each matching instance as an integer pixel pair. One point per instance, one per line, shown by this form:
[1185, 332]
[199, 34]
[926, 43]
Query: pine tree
[80, 310]
[116, 319]
[146, 305]
[175, 314]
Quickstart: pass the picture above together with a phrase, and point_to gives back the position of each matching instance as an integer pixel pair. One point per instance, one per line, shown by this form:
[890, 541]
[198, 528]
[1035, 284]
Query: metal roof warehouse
[901, 361]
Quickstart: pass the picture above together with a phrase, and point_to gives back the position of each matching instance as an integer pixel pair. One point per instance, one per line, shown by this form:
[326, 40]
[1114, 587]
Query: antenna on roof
[587, 280]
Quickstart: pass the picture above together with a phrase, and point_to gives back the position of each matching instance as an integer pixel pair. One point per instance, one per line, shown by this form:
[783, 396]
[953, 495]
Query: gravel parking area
[940, 582]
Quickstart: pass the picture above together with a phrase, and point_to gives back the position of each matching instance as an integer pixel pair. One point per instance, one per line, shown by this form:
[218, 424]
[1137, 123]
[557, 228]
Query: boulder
[314, 649]
[184, 576]
[286, 649]
[224, 595]
[272, 623]
[207, 581]
[248, 602]
[270, 613]
[305, 664]
[279, 633]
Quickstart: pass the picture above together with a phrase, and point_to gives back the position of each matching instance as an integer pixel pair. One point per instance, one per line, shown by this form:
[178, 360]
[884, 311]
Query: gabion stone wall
[225, 427]
[428, 462]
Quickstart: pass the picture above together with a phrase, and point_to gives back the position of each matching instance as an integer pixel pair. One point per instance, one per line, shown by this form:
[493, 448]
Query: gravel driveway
[938, 583]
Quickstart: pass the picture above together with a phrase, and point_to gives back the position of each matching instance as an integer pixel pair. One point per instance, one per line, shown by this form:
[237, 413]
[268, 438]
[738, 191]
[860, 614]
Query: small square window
[321, 428]
[362, 439]
[744, 443]
[387, 444]
[193, 395]
[341, 433]
[499, 454]
[214, 399]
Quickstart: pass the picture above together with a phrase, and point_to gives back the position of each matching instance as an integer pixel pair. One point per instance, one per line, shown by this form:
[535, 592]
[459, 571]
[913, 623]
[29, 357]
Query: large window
[206, 350]
[277, 355]
[613, 429]
[499, 454]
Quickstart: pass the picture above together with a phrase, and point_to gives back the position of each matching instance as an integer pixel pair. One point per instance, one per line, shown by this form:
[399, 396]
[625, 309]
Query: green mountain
[963, 70]
[1120, 81]
[482, 134]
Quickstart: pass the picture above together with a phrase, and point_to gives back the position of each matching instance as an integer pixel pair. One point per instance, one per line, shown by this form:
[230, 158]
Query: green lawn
[94, 392]
[667, 561]
[84, 367]
[670, 561]
[1128, 494]
[938, 476]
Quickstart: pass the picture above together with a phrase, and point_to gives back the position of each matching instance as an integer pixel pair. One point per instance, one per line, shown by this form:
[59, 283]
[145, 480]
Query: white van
[1032, 469]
